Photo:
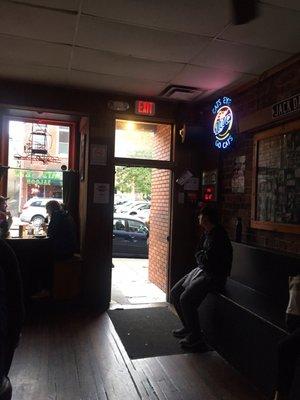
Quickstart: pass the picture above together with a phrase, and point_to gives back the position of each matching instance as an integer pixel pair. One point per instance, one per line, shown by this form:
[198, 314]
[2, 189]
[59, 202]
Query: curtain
[71, 192]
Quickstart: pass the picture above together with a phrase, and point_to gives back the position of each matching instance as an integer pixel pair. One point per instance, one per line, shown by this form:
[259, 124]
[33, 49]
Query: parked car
[34, 210]
[130, 236]
[132, 206]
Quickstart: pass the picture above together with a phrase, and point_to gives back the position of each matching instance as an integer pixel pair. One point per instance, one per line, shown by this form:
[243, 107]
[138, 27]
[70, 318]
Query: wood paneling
[77, 355]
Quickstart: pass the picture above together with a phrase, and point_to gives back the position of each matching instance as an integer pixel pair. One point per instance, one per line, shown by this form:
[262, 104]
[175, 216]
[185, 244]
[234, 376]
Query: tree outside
[135, 180]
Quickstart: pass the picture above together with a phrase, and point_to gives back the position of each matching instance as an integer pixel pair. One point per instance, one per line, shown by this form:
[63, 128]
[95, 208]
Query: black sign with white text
[286, 106]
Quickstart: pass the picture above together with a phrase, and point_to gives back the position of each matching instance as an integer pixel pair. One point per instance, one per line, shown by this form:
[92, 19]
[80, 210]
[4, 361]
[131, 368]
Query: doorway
[142, 206]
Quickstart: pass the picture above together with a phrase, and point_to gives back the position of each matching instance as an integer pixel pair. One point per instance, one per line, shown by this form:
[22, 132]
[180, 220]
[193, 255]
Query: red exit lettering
[144, 107]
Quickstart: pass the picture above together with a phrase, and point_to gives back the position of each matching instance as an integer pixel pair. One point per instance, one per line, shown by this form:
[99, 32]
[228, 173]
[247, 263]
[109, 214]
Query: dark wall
[253, 110]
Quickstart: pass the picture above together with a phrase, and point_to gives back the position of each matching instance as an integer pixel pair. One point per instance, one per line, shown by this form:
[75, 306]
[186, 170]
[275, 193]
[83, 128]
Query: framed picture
[276, 179]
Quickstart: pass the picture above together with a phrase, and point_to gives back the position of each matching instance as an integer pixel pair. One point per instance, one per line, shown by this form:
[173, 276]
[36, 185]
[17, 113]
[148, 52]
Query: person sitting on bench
[213, 259]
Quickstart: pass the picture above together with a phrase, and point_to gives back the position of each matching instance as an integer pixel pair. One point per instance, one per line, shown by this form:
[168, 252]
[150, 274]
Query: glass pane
[26, 187]
[119, 225]
[63, 148]
[36, 146]
[278, 181]
[142, 140]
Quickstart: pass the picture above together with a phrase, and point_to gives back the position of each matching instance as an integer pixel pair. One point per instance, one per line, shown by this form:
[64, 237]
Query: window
[136, 226]
[36, 204]
[276, 179]
[143, 140]
[119, 225]
[63, 140]
[34, 160]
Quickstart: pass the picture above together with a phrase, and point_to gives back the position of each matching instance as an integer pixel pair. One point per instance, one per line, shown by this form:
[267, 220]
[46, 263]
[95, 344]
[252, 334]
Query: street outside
[130, 284]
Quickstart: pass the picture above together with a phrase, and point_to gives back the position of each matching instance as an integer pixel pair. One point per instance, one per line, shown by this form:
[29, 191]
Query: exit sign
[144, 107]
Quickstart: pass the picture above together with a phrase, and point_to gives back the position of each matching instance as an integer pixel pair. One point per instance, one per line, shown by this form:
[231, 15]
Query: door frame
[146, 163]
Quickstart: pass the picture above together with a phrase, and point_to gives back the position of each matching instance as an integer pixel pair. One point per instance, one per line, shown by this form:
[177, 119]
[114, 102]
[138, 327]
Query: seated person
[213, 259]
[61, 230]
[5, 218]
[11, 313]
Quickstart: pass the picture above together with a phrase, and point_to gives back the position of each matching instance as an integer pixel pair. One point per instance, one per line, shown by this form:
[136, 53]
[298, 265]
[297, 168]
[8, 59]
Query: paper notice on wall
[101, 193]
[192, 184]
[184, 177]
[98, 154]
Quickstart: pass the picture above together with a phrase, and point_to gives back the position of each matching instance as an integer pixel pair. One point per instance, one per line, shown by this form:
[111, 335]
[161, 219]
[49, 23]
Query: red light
[209, 193]
[144, 107]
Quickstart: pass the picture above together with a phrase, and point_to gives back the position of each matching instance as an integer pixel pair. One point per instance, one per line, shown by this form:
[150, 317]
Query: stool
[67, 278]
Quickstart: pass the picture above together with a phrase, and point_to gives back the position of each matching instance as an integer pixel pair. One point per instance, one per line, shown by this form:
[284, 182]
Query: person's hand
[8, 213]
[44, 226]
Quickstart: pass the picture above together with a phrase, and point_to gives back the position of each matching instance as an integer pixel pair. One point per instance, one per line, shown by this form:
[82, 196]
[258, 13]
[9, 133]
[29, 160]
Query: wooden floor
[78, 356]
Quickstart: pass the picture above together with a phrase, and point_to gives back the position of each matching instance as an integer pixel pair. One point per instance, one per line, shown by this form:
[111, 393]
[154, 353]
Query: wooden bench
[67, 278]
[245, 322]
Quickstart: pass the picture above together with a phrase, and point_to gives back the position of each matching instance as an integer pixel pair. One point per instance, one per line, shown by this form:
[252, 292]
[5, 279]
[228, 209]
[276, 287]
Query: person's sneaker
[193, 341]
[180, 333]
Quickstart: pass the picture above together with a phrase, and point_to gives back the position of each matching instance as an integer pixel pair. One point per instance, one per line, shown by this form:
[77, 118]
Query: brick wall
[159, 216]
[233, 205]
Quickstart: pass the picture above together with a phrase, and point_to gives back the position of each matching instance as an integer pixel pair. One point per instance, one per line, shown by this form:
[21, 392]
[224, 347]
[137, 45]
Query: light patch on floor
[130, 284]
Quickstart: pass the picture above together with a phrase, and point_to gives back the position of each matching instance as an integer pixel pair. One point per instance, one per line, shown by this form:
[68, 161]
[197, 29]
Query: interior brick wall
[160, 211]
[233, 205]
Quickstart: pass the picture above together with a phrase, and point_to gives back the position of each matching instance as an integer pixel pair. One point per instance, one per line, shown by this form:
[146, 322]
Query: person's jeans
[187, 298]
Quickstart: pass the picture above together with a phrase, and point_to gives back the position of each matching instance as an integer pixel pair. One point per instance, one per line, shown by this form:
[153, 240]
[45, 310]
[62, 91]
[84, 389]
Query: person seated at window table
[5, 218]
[61, 229]
[213, 260]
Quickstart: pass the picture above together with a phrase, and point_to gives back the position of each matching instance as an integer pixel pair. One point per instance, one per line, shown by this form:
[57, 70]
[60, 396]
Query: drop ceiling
[141, 47]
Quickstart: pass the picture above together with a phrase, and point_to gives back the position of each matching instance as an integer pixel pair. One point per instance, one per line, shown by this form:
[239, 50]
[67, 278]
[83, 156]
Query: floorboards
[77, 355]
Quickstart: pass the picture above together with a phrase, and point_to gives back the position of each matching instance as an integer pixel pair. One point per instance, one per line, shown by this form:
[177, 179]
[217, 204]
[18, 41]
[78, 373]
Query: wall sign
[286, 106]
[209, 185]
[223, 122]
[98, 154]
[144, 107]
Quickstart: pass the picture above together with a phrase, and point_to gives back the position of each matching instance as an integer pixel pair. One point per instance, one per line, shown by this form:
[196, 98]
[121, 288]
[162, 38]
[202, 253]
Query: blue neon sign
[222, 126]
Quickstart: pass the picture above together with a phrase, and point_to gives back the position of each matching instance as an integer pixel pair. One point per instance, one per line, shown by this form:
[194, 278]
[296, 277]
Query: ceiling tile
[139, 42]
[26, 51]
[36, 23]
[115, 84]
[38, 74]
[108, 63]
[239, 57]
[206, 78]
[71, 5]
[292, 4]
[275, 28]
[194, 16]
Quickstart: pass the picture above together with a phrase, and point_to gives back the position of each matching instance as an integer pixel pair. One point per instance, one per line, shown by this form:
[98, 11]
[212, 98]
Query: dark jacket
[62, 231]
[11, 296]
[214, 254]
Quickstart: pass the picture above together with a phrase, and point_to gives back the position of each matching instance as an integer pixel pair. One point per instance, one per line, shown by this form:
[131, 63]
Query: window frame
[268, 225]
[4, 142]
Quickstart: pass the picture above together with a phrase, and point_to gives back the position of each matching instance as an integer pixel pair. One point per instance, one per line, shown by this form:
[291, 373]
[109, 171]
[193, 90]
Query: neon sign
[223, 122]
